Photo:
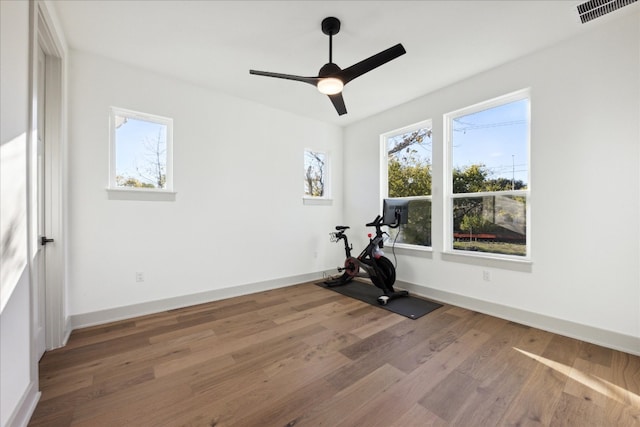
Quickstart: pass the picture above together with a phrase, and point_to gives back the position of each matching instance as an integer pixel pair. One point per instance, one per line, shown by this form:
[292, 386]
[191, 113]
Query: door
[39, 261]
[46, 196]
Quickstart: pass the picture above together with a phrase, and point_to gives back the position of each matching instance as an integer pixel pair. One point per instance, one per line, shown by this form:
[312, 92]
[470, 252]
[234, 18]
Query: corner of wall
[25, 408]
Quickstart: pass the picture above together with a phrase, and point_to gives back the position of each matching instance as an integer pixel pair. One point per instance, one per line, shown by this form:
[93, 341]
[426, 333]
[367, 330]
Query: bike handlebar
[376, 222]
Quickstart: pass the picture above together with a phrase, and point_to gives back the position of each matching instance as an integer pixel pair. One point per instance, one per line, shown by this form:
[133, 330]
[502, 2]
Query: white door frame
[44, 34]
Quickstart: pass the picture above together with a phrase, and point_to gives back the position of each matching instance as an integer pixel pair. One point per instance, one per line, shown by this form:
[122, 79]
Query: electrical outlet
[486, 275]
[139, 276]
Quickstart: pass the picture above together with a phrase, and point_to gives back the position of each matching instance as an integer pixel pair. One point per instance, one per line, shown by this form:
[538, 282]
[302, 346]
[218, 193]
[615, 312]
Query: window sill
[409, 250]
[407, 247]
[141, 194]
[316, 201]
[489, 260]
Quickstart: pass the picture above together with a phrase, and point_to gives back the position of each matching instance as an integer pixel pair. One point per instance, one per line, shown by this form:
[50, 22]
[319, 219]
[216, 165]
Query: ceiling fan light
[330, 86]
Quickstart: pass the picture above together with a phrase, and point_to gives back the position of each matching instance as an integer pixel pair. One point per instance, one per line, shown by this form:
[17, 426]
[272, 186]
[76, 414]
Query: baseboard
[25, 408]
[605, 338]
[610, 339]
[135, 310]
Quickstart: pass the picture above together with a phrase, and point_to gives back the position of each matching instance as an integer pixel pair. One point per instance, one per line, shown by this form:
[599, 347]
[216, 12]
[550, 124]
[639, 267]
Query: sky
[130, 148]
[496, 137]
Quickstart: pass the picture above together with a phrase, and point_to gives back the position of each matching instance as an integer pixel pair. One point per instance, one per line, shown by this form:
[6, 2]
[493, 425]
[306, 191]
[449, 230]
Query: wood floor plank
[590, 382]
[356, 314]
[184, 335]
[451, 396]
[377, 324]
[286, 409]
[330, 412]
[193, 360]
[486, 405]
[233, 404]
[419, 416]
[307, 356]
[330, 341]
[400, 398]
[134, 408]
[431, 338]
[573, 411]
[90, 335]
[626, 375]
[536, 401]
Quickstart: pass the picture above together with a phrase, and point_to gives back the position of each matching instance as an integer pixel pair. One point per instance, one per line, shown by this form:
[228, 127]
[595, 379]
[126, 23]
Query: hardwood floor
[308, 356]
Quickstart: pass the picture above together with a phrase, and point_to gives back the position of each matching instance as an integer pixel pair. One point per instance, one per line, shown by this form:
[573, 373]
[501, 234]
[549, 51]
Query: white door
[40, 251]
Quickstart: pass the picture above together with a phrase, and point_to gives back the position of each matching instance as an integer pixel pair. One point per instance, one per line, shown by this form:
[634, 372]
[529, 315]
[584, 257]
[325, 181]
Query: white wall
[585, 189]
[15, 333]
[238, 218]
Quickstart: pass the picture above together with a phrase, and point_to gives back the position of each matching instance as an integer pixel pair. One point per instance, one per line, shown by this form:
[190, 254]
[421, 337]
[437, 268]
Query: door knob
[44, 240]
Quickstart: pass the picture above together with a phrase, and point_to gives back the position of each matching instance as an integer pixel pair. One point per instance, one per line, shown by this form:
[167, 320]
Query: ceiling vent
[596, 8]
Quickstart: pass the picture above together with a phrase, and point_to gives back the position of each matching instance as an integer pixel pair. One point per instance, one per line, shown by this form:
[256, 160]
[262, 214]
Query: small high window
[316, 174]
[141, 151]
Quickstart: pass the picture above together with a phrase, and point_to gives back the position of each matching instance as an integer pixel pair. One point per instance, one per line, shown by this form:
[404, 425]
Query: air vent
[596, 8]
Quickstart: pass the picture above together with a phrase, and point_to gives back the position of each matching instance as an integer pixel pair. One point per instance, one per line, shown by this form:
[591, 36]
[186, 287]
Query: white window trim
[326, 199]
[449, 196]
[384, 177]
[115, 191]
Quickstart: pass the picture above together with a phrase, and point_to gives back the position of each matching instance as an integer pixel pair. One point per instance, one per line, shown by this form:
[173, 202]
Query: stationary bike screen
[395, 212]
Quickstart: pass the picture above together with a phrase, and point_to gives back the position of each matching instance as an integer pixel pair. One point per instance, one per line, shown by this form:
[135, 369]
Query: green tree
[504, 184]
[469, 213]
[408, 179]
[127, 181]
[473, 223]
[409, 175]
[471, 179]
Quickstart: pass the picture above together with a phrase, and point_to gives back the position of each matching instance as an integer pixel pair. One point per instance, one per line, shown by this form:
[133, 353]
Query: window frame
[112, 187]
[326, 197]
[384, 176]
[449, 196]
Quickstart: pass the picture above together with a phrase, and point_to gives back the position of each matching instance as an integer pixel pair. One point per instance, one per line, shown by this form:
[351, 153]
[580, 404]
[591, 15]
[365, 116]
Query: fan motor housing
[329, 69]
[331, 26]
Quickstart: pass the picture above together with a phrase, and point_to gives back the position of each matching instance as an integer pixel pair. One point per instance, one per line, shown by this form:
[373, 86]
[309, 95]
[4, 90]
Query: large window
[407, 154]
[141, 147]
[487, 178]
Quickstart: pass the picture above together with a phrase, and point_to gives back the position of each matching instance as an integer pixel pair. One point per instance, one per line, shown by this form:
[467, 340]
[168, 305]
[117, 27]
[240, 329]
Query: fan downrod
[331, 26]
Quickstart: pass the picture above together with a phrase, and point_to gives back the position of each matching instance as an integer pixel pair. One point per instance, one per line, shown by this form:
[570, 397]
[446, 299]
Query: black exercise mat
[411, 306]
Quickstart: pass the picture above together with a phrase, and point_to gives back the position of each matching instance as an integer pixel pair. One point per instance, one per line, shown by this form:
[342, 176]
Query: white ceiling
[215, 43]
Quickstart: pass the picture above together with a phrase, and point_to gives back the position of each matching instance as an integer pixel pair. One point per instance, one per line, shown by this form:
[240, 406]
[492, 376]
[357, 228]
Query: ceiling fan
[331, 78]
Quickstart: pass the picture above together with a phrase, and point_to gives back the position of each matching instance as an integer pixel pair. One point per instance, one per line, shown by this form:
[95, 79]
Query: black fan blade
[338, 102]
[310, 80]
[370, 63]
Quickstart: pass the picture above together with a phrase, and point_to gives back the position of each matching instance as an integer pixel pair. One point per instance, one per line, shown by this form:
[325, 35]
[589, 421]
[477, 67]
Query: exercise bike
[371, 261]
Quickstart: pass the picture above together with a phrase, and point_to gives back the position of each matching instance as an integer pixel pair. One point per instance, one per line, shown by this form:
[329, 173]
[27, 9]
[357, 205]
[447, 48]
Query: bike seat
[341, 227]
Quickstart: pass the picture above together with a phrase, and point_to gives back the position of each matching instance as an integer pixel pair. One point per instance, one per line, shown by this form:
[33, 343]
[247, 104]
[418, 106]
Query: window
[141, 151]
[316, 174]
[487, 182]
[407, 175]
